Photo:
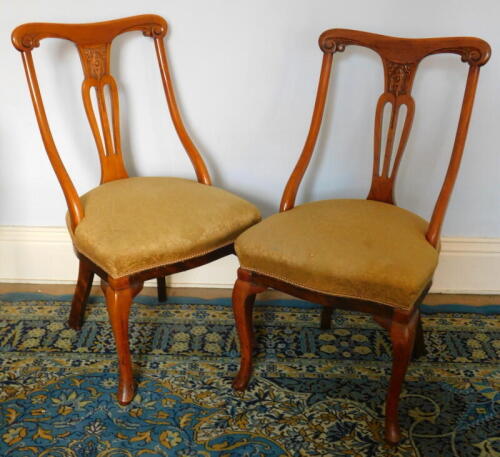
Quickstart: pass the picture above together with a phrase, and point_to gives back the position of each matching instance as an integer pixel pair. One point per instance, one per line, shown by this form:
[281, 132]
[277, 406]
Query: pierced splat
[398, 82]
[106, 130]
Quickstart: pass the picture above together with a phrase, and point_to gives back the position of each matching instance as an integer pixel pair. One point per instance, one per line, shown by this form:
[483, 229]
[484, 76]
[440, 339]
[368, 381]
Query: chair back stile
[400, 58]
[93, 42]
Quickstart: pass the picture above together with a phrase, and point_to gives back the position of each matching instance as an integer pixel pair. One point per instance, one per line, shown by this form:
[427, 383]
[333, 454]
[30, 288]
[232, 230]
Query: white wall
[246, 75]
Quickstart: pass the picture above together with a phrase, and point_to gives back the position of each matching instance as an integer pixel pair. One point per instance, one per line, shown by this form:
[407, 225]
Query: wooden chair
[128, 230]
[365, 255]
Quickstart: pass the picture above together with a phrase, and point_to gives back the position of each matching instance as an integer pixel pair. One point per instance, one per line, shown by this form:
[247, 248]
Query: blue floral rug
[314, 392]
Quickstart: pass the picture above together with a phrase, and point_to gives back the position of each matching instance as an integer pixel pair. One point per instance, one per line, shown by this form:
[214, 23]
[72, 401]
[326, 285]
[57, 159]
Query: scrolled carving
[30, 41]
[95, 60]
[333, 45]
[472, 56]
[154, 31]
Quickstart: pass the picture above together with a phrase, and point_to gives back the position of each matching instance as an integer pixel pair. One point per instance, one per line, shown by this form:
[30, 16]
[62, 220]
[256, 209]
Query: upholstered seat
[139, 223]
[352, 248]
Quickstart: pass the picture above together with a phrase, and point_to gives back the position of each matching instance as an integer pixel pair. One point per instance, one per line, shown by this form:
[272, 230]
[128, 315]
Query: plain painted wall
[245, 74]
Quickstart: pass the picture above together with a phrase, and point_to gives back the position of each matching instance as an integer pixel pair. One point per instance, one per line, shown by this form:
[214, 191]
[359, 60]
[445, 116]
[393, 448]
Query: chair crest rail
[28, 36]
[474, 51]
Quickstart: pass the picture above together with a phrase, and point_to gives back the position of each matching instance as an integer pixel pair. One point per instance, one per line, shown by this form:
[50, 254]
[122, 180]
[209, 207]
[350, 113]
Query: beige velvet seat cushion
[135, 224]
[352, 248]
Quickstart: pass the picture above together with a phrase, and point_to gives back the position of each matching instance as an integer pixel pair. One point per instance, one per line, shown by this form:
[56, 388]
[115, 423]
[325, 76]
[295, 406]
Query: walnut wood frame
[400, 58]
[93, 42]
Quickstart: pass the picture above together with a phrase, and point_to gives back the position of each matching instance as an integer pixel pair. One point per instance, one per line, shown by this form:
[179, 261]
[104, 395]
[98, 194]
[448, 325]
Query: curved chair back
[93, 42]
[400, 59]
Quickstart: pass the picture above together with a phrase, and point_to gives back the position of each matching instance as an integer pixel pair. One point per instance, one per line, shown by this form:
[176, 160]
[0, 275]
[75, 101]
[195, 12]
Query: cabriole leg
[402, 332]
[243, 300]
[118, 303]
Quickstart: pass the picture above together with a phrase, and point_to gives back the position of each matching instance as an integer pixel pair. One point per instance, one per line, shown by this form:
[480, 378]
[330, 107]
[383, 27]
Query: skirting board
[44, 255]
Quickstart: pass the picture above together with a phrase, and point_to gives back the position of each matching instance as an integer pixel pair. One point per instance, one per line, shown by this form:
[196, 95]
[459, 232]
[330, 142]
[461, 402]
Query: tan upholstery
[352, 248]
[139, 223]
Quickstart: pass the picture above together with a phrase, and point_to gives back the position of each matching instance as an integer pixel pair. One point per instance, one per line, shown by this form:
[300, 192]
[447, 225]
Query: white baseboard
[468, 265]
[44, 255]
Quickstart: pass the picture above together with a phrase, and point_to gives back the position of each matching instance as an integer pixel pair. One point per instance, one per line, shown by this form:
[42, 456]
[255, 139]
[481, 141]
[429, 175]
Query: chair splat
[398, 83]
[95, 62]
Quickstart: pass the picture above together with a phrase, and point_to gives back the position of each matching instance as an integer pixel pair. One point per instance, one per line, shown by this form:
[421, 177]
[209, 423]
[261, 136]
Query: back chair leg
[402, 332]
[326, 317]
[161, 285]
[118, 303]
[243, 300]
[419, 349]
[81, 295]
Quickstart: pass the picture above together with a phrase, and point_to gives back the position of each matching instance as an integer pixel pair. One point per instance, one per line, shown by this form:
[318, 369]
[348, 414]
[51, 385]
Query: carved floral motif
[399, 75]
[95, 60]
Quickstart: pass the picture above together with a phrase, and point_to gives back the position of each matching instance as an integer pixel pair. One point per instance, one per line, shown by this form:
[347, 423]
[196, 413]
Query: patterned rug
[314, 392]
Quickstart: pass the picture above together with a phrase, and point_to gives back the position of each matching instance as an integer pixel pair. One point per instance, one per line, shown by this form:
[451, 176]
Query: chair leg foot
[126, 393]
[243, 300]
[118, 303]
[392, 434]
[80, 296]
[326, 318]
[241, 380]
[402, 333]
[161, 285]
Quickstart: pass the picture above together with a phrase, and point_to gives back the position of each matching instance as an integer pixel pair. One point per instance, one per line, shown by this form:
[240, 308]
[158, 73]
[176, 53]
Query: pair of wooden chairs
[367, 255]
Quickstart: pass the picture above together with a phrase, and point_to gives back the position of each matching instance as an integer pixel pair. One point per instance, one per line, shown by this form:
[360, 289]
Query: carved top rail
[400, 58]
[93, 42]
[28, 36]
[474, 51]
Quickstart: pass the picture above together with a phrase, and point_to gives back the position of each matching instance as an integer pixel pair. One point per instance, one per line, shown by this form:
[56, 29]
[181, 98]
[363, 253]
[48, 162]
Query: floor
[207, 293]
[313, 393]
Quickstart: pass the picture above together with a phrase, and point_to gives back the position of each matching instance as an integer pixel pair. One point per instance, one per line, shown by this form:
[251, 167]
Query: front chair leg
[243, 299]
[402, 332]
[81, 295]
[162, 289]
[118, 303]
